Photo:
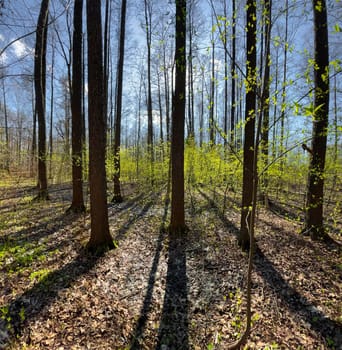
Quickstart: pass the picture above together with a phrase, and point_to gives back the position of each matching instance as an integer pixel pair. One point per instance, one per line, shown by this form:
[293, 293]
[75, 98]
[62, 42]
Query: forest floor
[155, 293]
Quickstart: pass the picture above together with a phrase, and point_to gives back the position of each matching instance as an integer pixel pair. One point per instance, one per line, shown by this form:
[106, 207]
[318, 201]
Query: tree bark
[265, 105]
[7, 146]
[315, 191]
[249, 140]
[177, 224]
[77, 204]
[117, 139]
[100, 238]
[148, 24]
[233, 73]
[40, 88]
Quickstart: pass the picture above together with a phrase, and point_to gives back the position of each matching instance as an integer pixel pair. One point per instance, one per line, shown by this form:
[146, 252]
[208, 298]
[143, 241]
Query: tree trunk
[212, 92]
[117, 139]
[148, 24]
[40, 87]
[51, 110]
[106, 43]
[283, 93]
[177, 224]
[265, 105]
[233, 72]
[315, 190]
[100, 238]
[77, 204]
[249, 140]
[7, 149]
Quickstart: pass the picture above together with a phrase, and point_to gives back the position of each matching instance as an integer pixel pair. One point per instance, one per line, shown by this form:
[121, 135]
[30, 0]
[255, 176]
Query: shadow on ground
[328, 329]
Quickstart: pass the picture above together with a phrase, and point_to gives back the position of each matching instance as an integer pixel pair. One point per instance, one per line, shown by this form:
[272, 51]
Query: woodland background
[139, 143]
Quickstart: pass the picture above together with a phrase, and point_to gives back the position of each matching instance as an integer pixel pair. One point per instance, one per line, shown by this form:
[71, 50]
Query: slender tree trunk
[315, 191]
[249, 139]
[265, 106]
[117, 139]
[51, 110]
[201, 114]
[167, 95]
[77, 204]
[7, 145]
[106, 43]
[100, 238]
[148, 24]
[283, 93]
[40, 87]
[191, 131]
[160, 103]
[177, 224]
[212, 93]
[225, 99]
[34, 135]
[233, 72]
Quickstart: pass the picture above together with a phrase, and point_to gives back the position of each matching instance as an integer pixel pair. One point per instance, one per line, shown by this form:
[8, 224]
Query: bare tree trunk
[177, 224]
[191, 121]
[7, 145]
[265, 106]
[212, 92]
[40, 87]
[315, 191]
[148, 24]
[106, 43]
[51, 110]
[100, 238]
[77, 204]
[283, 93]
[233, 72]
[249, 139]
[117, 139]
[167, 95]
[201, 113]
[34, 136]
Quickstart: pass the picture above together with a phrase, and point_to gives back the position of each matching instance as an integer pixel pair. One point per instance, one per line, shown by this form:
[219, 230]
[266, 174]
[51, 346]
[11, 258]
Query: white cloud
[20, 49]
[1, 37]
[3, 58]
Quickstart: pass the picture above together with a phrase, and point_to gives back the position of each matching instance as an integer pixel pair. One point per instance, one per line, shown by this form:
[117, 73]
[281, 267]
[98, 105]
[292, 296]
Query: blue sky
[21, 15]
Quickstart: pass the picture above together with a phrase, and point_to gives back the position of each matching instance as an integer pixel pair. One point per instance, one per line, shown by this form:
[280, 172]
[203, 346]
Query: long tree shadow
[227, 223]
[141, 323]
[319, 322]
[138, 214]
[25, 307]
[173, 329]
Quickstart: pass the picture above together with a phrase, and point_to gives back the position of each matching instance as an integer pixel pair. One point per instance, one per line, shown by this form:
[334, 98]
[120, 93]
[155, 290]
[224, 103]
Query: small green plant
[210, 346]
[273, 346]
[22, 314]
[40, 275]
[330, 342]
[5, 315]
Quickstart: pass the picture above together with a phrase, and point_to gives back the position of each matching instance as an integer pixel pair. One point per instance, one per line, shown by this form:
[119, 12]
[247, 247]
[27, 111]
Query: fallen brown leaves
[151, 292]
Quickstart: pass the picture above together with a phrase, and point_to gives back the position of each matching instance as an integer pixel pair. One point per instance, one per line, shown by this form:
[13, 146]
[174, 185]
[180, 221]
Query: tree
[77, 204]
[177, 224]
[40, 88]
[100, 238]
[249, 139]
[265, 93]
[148, 26]
[315, 190]
[212, 104]
[6, 165]
[233, 73]
[117, 139]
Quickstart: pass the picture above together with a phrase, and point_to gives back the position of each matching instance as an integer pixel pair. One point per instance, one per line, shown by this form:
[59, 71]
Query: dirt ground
[155, 293]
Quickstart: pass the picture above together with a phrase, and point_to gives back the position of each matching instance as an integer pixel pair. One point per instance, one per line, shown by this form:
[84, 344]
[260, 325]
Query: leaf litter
[153, 292]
